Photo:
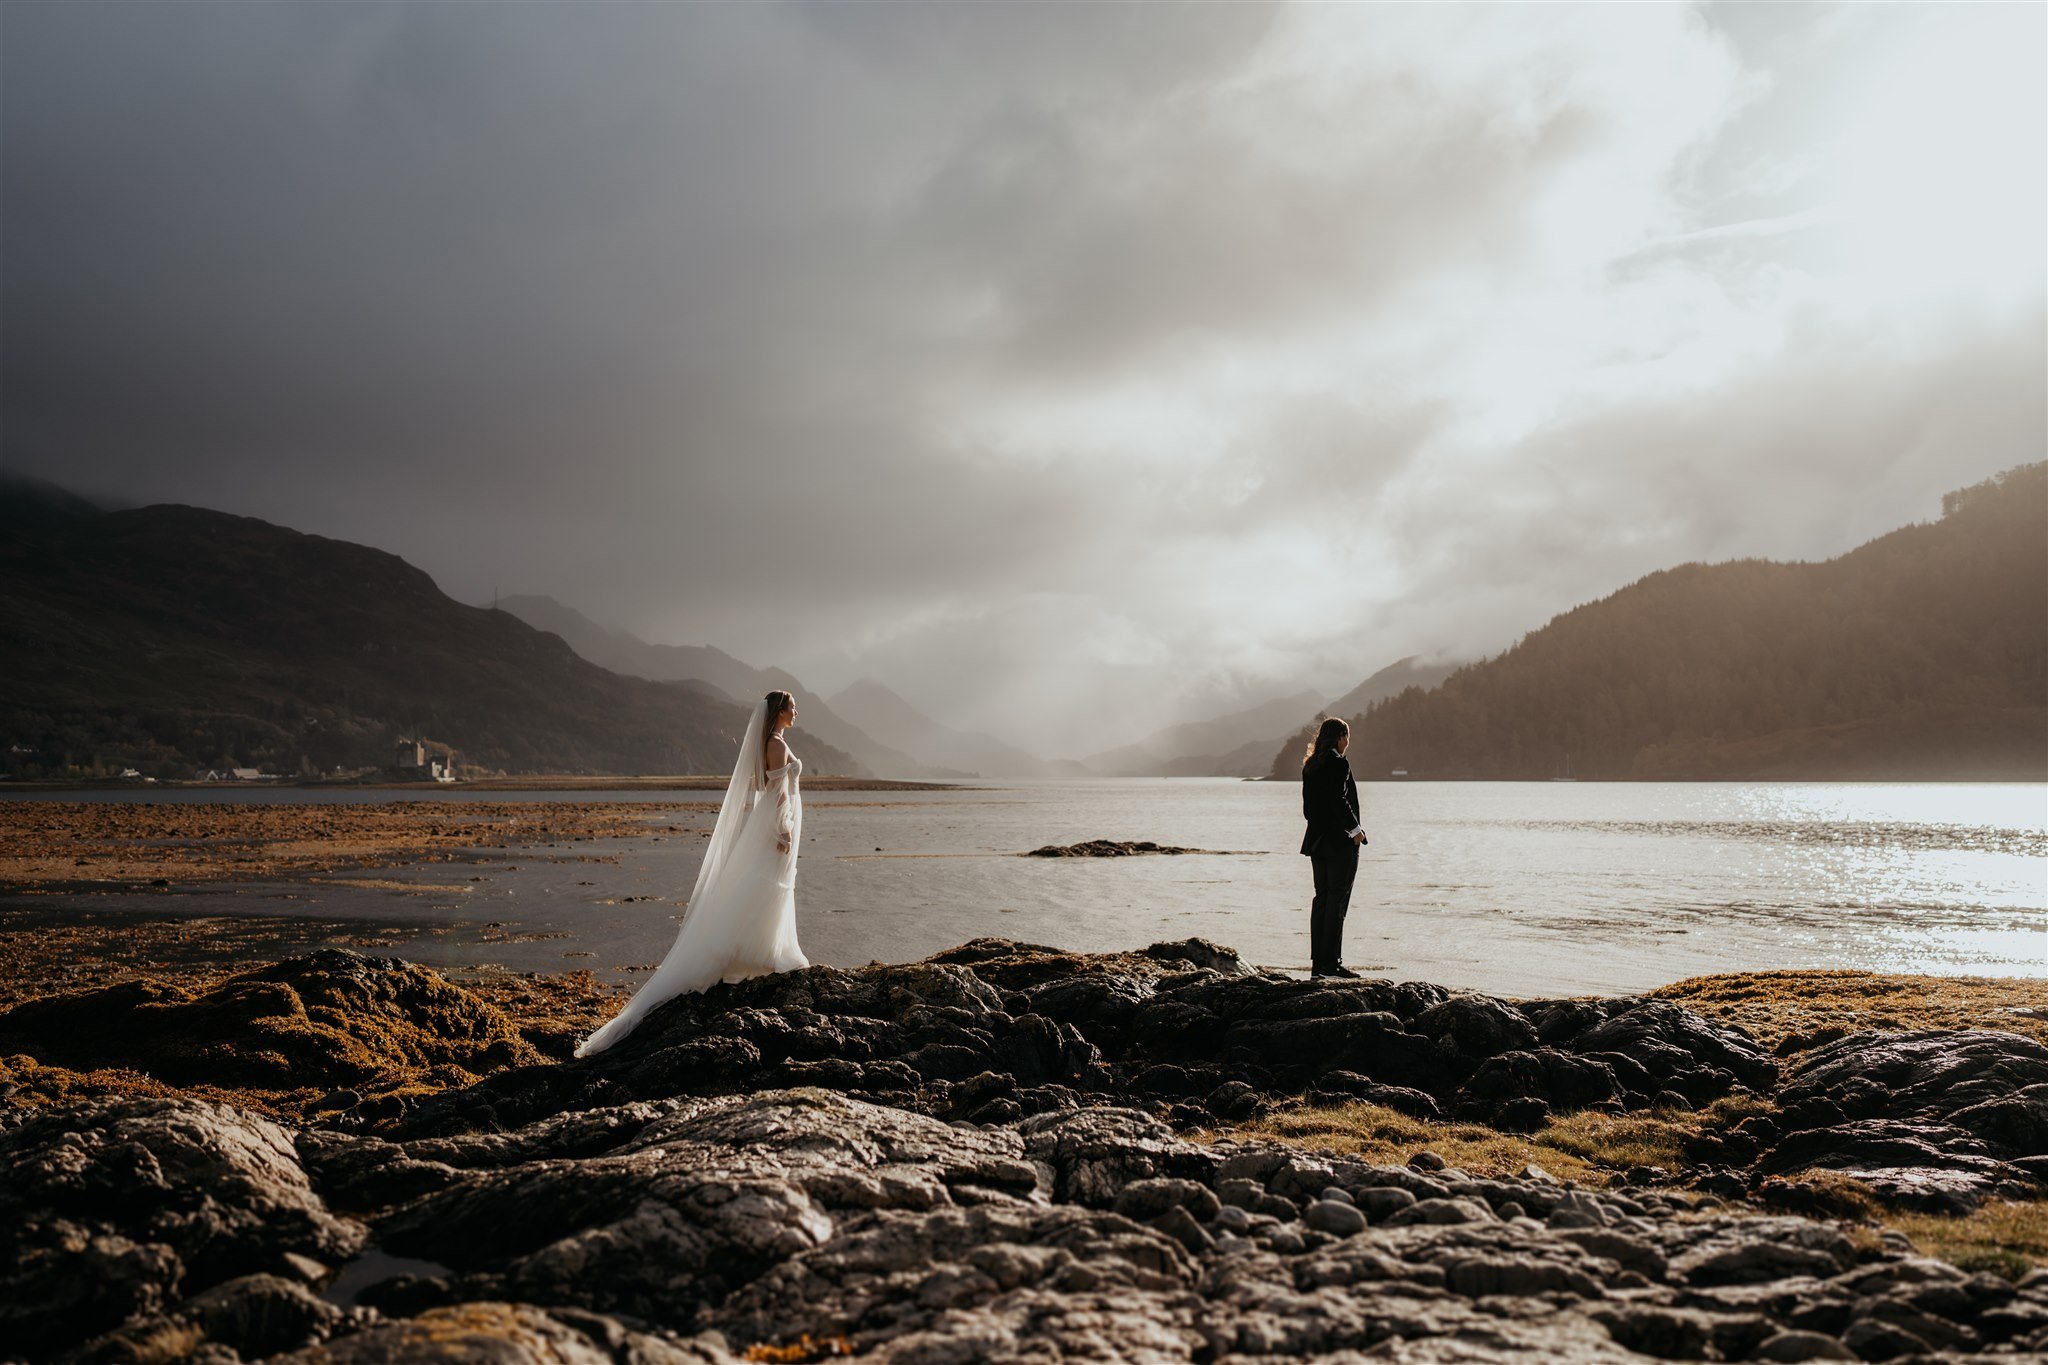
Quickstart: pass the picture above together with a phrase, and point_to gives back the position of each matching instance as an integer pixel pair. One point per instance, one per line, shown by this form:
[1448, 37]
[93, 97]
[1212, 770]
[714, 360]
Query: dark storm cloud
[1069, 367]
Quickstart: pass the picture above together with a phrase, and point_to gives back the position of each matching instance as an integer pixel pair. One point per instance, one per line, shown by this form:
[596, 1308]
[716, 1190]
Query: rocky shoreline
[1004, 1152]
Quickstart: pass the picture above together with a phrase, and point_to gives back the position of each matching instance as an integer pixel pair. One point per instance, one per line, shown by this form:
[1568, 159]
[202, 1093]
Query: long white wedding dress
[741, 918]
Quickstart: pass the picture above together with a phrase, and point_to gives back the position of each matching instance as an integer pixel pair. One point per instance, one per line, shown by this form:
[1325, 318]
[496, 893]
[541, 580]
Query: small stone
[1285, 1241]
[1872, 1339]
[304, 1267]
[1231, 1218]
[1338, 1193]
[1577, 1210]
[1441, 1211]
[1276, 1206]
[1383, 1201]
[1511, 1209]
[1340, 1218]
[1180, 1225]
[1791, 1346]
[1427, 1161]
[1145, 1199]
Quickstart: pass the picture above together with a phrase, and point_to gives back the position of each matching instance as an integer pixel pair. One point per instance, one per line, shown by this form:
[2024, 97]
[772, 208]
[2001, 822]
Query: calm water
[1519, 888]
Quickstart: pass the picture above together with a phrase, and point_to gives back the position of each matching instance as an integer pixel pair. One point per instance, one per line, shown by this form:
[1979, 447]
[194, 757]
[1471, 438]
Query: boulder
[115, 1211]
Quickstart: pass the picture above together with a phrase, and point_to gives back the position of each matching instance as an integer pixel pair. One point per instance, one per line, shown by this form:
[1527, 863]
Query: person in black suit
[1329, 802]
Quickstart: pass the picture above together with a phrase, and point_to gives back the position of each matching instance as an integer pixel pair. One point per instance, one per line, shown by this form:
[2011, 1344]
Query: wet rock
[1911, 1163]
[1627, 1251]
[1924, 1072]
[1337, 1219]
[1233, 1101]
[1680, 1333]
[1873, 1339]
[1180, 1225]
[1503, 1087]
[1382, 1202]
[116, 1210]
[1109, 848]
[695, 1203]
[1748, 1254]
[961, 1176]
[1573, 1210]
[1476, 1025]
[1662, 1045]
[261, 1315]
[1795, 1345]
[1146, 1199]
[2015, 1124]
[492, 1333]
[1439, 1211]
[1095, 1153]
[897, 1280]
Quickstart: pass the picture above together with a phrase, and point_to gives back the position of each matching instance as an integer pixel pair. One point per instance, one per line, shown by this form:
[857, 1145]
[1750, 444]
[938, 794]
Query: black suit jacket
[1329, 802]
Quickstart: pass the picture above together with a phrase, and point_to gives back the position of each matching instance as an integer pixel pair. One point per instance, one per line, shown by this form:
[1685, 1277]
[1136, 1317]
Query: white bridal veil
[740, 794]
[741, 917]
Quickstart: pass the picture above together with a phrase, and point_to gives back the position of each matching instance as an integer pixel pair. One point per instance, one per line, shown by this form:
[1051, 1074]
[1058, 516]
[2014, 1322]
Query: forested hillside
[1920, 655]
[171, 638]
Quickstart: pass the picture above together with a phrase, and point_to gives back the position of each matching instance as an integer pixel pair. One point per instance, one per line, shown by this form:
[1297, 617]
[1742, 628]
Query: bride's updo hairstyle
[778, 702]
[1325, 742]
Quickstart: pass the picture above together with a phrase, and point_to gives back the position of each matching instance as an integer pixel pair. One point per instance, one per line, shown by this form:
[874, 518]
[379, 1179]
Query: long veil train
[741, 918]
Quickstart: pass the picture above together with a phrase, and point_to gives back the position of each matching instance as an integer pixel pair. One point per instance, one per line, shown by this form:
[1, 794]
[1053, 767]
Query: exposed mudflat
[51, 846]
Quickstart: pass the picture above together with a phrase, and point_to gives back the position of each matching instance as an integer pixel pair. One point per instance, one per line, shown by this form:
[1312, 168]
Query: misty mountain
[1235, 745]
[1921, 655]
[895, 722]
[1391, 681]
[623, 652]
[168, 638]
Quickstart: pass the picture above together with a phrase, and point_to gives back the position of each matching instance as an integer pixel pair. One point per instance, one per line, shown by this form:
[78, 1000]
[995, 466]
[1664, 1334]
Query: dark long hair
[1327, 735]
[778, 702]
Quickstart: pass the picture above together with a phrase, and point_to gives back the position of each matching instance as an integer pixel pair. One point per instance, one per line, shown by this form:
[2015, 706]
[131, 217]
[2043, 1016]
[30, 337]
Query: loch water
[1515, 888]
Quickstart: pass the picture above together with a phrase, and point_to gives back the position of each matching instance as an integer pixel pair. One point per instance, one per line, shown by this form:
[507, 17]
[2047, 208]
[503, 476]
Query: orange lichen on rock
[278, 1037]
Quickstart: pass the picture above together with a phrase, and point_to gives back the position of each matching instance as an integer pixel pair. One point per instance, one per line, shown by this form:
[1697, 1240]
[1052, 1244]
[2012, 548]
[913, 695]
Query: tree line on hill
[1921, 655]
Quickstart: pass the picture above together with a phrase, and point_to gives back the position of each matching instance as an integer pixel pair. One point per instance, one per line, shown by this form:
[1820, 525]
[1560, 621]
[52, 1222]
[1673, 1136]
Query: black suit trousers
[1335, 860]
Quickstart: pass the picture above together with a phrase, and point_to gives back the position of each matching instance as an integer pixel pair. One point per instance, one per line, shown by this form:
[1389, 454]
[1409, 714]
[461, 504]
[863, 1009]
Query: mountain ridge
[882, 712]
[1919, 655]
[621, 651]
[169, 638]
[1218, 747]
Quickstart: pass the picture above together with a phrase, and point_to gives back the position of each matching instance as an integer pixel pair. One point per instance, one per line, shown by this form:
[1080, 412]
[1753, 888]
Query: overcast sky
[1072, 369]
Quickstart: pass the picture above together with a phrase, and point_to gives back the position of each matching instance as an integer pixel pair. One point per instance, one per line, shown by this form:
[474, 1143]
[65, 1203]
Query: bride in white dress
[741, 919]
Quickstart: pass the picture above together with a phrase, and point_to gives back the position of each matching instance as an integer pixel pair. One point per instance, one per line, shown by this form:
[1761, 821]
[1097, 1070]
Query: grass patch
[1802, 1008]
[1589, 1147]
[2007, 1237]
